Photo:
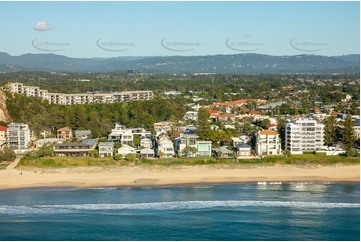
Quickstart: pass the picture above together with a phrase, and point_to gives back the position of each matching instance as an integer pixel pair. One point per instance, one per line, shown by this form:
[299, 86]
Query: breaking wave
[177, 205]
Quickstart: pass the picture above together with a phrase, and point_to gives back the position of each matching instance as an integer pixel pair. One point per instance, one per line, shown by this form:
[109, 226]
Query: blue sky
[110, 29]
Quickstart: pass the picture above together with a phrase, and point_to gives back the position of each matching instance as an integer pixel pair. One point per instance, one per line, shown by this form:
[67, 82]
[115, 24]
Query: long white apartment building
[80, 98]
[303, 135]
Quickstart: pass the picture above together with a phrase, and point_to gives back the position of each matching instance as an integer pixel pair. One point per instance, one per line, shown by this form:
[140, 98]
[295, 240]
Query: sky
[112, 29]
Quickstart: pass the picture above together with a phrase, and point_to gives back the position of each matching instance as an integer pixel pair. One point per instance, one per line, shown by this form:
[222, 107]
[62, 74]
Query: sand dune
[154, 176]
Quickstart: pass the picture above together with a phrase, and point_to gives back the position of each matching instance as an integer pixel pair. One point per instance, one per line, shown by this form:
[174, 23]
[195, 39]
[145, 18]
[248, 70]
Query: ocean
[246, 211]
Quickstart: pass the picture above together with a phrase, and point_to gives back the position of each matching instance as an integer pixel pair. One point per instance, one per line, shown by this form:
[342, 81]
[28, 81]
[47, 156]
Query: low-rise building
[40, 142]
[82, 148]
[82, 134]
[203, 148]
[125, 150]
[167, 126]
[106, 149]
[244, 150]
[3, 131]
[223, 153]
[64, 133]
[80, 98]
[146, 152]
[191, 115]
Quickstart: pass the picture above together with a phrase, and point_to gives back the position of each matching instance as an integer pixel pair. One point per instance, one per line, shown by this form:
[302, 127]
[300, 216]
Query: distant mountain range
[233, 64]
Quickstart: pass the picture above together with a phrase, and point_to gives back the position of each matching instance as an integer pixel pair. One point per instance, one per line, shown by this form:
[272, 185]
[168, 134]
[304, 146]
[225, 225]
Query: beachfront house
[146, 152]
[244, 150]
[106, 149]
[125, 150]
[203, 148]
[82, 148]
[267, 143]
[223, 153]
[165, 145]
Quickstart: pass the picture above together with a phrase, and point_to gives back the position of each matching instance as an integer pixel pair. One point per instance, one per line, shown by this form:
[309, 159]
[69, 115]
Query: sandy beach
[158, 176]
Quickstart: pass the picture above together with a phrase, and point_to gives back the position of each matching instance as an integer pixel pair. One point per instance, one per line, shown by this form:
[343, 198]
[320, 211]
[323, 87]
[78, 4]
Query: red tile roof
[268, 132]
[3, 128]
[239, 102]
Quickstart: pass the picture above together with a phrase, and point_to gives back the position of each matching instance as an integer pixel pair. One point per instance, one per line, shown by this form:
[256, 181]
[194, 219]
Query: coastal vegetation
[311, 159]
[99, 118]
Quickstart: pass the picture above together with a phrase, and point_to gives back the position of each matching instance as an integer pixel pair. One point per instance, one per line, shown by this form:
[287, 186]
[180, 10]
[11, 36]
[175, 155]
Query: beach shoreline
[139, 176]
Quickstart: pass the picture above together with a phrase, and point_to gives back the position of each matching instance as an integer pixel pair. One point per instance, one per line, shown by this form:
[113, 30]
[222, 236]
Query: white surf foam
[177, 205]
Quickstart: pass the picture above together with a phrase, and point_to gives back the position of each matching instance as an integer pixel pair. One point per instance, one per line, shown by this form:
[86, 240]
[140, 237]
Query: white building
[106, 149]
[191, 115]
[125, 150]
[18, 136]
[267, 143]
[80, 98]
[303, 135]
[165, 145]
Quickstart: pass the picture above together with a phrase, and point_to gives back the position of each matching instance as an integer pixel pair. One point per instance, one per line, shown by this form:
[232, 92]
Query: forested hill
[222, 64]
[99, 118]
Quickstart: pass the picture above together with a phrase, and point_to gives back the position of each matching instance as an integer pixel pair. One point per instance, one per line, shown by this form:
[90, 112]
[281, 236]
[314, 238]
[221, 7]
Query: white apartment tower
[303, 135]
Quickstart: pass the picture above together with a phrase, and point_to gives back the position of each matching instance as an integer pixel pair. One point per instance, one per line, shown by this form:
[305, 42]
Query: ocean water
[249, 211]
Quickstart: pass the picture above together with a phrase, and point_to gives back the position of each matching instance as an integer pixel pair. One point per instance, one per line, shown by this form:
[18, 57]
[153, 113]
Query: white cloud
[42, 26]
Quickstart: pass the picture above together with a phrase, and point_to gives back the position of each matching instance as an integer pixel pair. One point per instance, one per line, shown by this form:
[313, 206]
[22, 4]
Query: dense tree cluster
[7, 154]
[99, 118]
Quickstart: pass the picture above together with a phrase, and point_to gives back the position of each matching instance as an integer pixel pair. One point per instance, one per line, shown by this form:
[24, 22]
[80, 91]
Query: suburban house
[116, 133]
[204, 148]
[183, 141]
[146, 152]
[191, 115]
[223, 153]
[3, 131]
[45, 132]
[106, 149]
[64, 133]
[18, 136]
[243, 139]
[82, 148]
[125, 150]
[125, 135]
[303, 134]
[82, 134]
[167, 126]
[40, 142]
[244, 150]
[267, 143]
[145, 143]
[165, 145]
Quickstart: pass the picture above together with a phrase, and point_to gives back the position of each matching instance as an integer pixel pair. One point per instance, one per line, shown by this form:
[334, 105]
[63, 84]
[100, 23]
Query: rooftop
[268, 132]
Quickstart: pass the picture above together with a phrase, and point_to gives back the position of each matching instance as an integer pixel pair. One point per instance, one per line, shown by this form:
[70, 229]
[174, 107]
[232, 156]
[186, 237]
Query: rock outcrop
[4, 113]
